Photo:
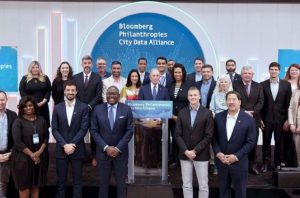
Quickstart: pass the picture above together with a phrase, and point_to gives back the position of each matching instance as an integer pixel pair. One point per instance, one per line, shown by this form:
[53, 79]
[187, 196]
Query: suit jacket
[65, 134]
[181, 100]
[197, 137]
[253, 102]
[293, 109]
[119, 136]
[11, 116]
[241, 142]
[92, 94]
[237, 77]
[210, 91]
[146, 78]
[276, 110]
[145, 93]
[169, 80]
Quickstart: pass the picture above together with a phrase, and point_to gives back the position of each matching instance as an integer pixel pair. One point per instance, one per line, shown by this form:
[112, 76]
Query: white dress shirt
[70, 111]
[230, 123]
[152, 87]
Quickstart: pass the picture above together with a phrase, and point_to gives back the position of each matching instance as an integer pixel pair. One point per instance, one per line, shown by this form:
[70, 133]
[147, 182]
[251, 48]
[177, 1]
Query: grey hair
[246, 68]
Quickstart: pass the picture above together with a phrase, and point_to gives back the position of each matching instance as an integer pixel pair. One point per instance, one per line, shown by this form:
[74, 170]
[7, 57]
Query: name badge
[36, 139]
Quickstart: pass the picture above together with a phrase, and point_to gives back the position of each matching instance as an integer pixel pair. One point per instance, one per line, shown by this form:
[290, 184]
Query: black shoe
[264, 168]
[277, 168]
[254, 170]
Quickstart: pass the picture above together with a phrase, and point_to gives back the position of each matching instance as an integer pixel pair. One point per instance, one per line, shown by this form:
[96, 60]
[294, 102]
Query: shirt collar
[89, 74]
[197, 108]
[248, 83]
[72, 104]
[207, 81]
[152, 85]
[233, 117]
[109, 105]
[274, 81]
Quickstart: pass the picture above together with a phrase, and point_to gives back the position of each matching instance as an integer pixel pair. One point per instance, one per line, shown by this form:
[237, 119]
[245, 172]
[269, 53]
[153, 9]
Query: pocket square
[121, 117]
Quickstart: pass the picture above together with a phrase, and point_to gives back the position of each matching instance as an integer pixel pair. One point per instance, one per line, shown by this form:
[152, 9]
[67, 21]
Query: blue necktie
[162, 80]
[154, 92]
[111, 117]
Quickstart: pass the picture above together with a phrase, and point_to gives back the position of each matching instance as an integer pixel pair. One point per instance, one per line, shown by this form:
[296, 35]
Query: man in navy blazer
[69, 126]
[235, 136]
[112, 129]
[142, 67]
[89, 90]
[165, 78]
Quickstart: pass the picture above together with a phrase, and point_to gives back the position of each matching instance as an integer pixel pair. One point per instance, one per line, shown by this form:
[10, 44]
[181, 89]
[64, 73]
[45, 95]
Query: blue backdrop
[8, 69]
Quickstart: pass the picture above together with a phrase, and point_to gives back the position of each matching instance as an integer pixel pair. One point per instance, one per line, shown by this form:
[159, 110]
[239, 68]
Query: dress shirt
[230, 123]
[249, 87]
[198, 77]
[204, 91]
[193, 113]
[163, 81]
[114, 110]
[84, 75]
[70, 110]
[3, 131]
[152, 87]
[110, 81]
[274, 84]
[142, 76]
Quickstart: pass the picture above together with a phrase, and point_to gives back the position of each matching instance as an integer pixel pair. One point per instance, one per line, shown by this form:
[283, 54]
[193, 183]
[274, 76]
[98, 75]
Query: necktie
[154, 92]
[86, 81]
[247, 87]
[162, 80]
[111, 117]
[231, 77]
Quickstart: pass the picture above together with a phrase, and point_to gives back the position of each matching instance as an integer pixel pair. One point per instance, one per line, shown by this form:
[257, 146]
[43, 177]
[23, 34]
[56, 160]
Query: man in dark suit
[194, 133]
[252, 103]
[7, 117]
[112, 129]
[197, 75]
[142, 67]
[231, 68]
[206, 85]
[165, 78]
[277, 95]
[69, 126]
[235, 136]
[89, 91]
[152, 135]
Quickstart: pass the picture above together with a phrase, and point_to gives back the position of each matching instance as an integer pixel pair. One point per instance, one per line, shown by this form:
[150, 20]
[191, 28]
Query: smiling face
[29, 109]
[207, 73]
[134, 78]
[230, 67]
[294, 72]
[116, 70]
[178, 74]
[70, 92]
[233, 103]
[142, 65]
[194, 97]
[3, 101]
[87, 65]
[112, 95]
[247, 75]
[35, 70]
[274, 72]
[101, 65]
[198, 65]
[154, 77]
[224, 84]
[64, 70]
[161, 65]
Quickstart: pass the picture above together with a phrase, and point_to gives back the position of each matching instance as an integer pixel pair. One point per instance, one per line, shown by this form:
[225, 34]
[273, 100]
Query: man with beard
[69, 126]
[231, 67]
[115, 79]
[89, 91]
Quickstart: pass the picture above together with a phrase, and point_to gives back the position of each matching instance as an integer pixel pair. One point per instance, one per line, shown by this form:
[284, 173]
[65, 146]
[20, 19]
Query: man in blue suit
[112, 129]
[235, 136]
[69, 126]
[142, 67]
[165, 78]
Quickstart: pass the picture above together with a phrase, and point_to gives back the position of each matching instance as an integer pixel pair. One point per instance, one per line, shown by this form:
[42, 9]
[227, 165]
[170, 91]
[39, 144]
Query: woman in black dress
[30, 156]
[37, 85]
[64, 73]
[178, 92]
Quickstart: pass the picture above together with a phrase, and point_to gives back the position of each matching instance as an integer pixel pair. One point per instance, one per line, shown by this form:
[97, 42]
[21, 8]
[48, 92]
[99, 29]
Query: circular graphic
[148, 35]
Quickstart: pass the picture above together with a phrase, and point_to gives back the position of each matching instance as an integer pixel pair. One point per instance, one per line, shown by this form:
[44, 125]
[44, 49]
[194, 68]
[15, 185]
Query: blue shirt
[193, 113]
[204, 91]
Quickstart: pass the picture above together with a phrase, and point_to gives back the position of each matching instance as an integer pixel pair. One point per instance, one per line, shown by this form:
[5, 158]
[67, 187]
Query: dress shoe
[254, 170]
[277, 168]
[264, 168]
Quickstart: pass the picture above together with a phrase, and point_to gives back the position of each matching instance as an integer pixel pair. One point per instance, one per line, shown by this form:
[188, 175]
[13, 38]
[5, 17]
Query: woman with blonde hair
[37, 85]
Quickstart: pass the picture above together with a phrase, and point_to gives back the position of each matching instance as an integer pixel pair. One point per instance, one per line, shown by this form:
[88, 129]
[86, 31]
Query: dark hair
[208, 66]
[116, 63]
[142, 58]
[238, 95]
[181, 66]
[58, 73]
[23, 102]
[87, 57]
[171, 60]
[3, 93]
[230, 60]
[200, 59]
[129, 83]
[287, 74]
[274, 64]
[161, 58]
[70, 83]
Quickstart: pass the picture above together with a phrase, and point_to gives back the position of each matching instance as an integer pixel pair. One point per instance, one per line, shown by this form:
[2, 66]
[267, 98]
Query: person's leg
[120, 171]
[62, 172]
[24, 193]
[224, 181]
[239, 180]
[104, 168]
[34, 192]
[77, 175]
[297, 146]
[266, 148]
[4, 177]
[201, 168]
[187, 178]
[278, 154]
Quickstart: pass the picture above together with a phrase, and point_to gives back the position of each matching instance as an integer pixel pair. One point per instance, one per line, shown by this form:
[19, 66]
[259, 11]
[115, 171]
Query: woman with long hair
[64, 73]
[30, 156]
[292, 75]
[131, 90]
[37, 85]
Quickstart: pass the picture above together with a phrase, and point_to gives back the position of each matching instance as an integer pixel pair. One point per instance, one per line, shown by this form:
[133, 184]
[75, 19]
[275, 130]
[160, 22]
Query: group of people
[215, 124]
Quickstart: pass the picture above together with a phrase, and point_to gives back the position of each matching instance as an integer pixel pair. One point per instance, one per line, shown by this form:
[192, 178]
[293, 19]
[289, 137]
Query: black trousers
[252, 153]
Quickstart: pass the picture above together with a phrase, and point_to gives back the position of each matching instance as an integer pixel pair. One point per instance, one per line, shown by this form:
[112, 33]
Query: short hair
[101, 58]
[161, 58]
[116, 63]
[181, 66]
[193, 88]
[199, 58]
[230, 60]
[247, 67]
[238, 95]
[113, 87]
[70, 83]
[87, 57]
[1, 91]
[58, 73]
[208, 66]
[274, 64]
[153, 70]
[142, 58]
[23, 102]
[171, 60]
[129, 83]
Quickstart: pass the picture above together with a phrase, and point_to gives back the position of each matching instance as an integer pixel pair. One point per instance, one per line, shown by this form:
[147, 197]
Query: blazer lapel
[64, 112]
[118, 113]
[279, 89]
[74, 113]
[105, 114]
[236, 126]
[269, 89]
